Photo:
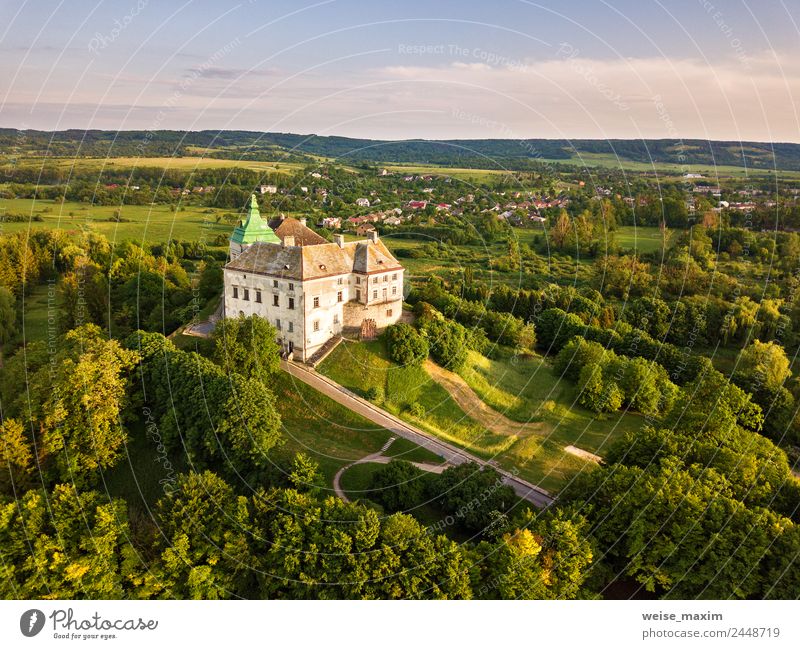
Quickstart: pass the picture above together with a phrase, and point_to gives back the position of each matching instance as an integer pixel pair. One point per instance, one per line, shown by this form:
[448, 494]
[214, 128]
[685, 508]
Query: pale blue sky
[685, 68]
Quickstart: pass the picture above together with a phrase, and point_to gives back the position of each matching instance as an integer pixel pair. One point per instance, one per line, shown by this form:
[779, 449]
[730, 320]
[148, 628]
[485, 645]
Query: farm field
[167, 163]
[673, 170]
[539, 458]
[141, 223]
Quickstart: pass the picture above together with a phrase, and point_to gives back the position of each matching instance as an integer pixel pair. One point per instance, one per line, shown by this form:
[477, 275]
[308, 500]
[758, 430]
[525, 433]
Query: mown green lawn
[330, 433]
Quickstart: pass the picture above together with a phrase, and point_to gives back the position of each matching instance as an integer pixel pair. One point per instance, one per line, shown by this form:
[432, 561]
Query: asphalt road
[450, 453]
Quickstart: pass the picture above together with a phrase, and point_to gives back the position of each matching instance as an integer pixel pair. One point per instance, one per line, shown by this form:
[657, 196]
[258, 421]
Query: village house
[268, 189]
[365, 229]
[311, 290]
[362, 202]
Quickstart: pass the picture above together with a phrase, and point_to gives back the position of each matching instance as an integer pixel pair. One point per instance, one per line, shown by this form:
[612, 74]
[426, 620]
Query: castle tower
[252, 230]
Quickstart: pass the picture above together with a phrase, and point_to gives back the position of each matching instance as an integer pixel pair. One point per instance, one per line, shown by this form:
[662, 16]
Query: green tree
[406, 346]
[69, 545]
[247, 345]
[597, 393]
[76, 403]
[16, 457]
[210, 282]
[203, 543]
[398, 486]
[762, 365]
[325, 549]
[8, 318]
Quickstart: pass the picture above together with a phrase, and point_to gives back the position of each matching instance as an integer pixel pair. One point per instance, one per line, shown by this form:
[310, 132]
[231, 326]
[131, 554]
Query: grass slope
[538, 458]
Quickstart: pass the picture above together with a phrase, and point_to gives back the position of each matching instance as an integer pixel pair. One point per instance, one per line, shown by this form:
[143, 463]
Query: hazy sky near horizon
[721, 69]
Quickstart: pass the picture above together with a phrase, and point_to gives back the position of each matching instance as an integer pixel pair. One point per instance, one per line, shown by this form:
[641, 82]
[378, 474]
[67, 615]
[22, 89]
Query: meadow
[524, 390]
[141, 223]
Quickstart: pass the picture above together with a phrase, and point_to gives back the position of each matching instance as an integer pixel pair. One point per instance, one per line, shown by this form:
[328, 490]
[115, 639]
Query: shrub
[375, 393]
[416, 409]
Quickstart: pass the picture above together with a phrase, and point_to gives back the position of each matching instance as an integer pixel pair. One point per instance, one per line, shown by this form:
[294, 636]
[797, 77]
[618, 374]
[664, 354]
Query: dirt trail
[488, 417]
[473, 406]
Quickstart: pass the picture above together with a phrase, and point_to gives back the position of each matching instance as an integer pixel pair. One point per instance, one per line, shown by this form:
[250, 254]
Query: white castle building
[311, 290]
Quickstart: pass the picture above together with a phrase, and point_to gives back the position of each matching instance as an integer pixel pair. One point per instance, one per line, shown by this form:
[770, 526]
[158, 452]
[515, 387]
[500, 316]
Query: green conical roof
[254, 229]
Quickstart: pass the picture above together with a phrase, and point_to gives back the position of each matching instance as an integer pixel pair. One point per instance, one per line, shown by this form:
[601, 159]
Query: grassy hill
[524, 390]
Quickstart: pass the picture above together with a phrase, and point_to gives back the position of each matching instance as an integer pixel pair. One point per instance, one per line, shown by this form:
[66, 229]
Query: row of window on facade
[376, 279]
[276, 298]
[315, 325]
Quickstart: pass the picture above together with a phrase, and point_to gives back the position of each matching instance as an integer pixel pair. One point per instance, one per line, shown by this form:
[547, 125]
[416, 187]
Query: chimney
[288, 240]
[372, 235]
[338, 239]
[303, 220]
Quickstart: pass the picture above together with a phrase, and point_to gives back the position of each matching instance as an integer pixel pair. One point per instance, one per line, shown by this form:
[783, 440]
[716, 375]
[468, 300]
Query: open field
[639, 238]
[539, 458]
[464, 174]
[141, 223]
[167, 163]
[609, 160]
[666, 170]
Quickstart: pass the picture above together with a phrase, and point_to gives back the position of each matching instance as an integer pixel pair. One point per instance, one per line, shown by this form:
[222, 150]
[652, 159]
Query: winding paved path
[449, 452]
[379, 458]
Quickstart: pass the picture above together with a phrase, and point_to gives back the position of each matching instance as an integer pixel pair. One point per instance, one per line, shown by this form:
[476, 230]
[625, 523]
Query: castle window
[291, 303]
[394, 276]
[339, 296]
[375, 294]
[274, 283]
[278, 324]
[316, 325]
[358, 280]
[385, 278]
[290, 327]
[340, 281]
[276, 300]
[291, 286]
[358, 295]
[235, 292]
[316, 302]
[258, 296]
[246, 294]
[388, 313]
[394, 290]
[335, 318]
